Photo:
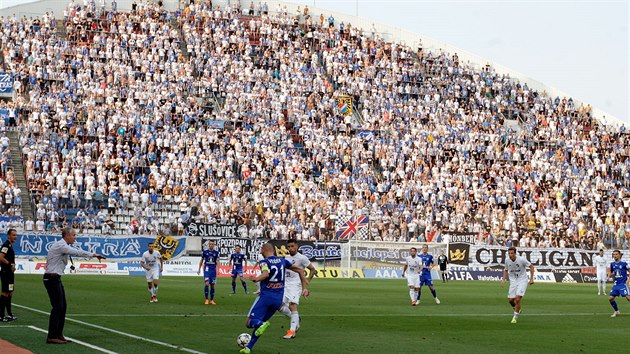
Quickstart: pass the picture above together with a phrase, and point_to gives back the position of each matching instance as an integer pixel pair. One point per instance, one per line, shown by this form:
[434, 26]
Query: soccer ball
[243, 339]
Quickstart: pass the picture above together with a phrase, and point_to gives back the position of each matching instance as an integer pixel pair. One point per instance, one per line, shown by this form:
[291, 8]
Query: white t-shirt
[300, 261]
[151, 260]
[414, 265]
[600, 263]
[517, 269]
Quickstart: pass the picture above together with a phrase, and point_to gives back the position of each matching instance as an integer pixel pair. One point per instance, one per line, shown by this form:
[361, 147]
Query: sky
[579, 47]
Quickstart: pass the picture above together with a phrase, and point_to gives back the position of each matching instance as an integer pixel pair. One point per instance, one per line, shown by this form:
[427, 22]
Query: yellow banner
[344, 105]
[336, 272]
[166, 246]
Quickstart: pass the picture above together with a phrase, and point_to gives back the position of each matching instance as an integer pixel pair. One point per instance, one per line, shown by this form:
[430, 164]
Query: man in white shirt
[602, 272]
[29, 224]
[515, 267]
[293, 286]
[40, 225]
[56, 261]
[414, 265]
[152, 262]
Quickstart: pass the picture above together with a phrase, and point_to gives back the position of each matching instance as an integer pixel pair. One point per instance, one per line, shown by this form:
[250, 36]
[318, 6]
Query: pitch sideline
[95, 347]
[133, 336]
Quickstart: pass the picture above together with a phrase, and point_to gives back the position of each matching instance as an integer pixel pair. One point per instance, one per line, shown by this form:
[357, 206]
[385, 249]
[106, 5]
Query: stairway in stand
[15, 162]
[62, 31]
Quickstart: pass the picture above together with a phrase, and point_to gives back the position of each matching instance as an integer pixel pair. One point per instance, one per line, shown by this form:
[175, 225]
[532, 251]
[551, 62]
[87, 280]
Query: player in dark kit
[442, 261]
[236, 260]
[210, 262]
[7, 275]
[425, 274]
[619, 272]
[271, 280]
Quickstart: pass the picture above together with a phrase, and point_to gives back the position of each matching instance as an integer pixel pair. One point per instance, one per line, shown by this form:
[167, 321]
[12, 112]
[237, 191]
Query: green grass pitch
[341, 316]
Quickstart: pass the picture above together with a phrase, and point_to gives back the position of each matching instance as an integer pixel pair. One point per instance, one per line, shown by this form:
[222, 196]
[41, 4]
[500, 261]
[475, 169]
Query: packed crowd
[116, 124]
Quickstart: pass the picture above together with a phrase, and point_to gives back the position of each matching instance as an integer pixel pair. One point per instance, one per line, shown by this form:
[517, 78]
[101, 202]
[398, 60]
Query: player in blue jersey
[210, 262]
[236, 261]
[271, 280]
[619, 272]
[425, 274]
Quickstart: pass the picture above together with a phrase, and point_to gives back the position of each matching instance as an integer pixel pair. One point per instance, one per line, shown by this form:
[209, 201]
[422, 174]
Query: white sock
[155, 289]
[285, 310]
[151, 291]
[516, 314]
[413, 295]
[295, 320]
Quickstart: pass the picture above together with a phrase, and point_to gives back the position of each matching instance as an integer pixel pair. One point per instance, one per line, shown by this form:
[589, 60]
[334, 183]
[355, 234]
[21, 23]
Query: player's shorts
[292, 294]
[413, 280]
[617, 290]
[426, 280]
[517, 288]
[264, 307]
[153, 274]
[602, 275]
[237, 273]
[8, 280]
[210, 277]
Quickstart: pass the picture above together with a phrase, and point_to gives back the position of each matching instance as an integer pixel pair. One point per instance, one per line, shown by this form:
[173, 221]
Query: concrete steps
[62, 31]
[15, 162]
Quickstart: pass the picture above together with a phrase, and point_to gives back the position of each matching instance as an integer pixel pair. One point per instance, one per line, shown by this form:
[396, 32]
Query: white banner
[96, 268]
[542, 258]
[183, 266]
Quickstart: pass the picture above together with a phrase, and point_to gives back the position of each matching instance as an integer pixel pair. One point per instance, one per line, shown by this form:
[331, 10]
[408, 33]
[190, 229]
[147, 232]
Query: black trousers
[57, 296]
[8, 280]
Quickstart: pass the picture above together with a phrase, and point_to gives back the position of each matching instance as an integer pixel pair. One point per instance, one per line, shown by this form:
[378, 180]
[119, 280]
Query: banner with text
[188, 266]
[110, 247]
[315, 251]
[336, 272]
[541, 258]
[459, 247]
[377, 254]
[225, 246]
[216, 230]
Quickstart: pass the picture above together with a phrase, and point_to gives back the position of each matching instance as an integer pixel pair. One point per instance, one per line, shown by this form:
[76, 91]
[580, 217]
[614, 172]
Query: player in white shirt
[414, 265]
[293, 286]
[602, 272]
[257, 271]
[515, 267]
[152, 262]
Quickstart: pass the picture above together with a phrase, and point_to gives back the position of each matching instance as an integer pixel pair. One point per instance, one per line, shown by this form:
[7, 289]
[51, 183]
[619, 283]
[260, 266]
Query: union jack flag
[351, 227]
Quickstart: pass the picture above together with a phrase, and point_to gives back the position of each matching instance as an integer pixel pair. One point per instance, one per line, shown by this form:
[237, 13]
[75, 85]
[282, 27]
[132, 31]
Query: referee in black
[442, 262]
[56, 263]
[7, 274]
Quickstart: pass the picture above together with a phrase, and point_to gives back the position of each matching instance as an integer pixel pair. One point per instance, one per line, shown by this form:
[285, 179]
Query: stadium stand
[132, 120]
